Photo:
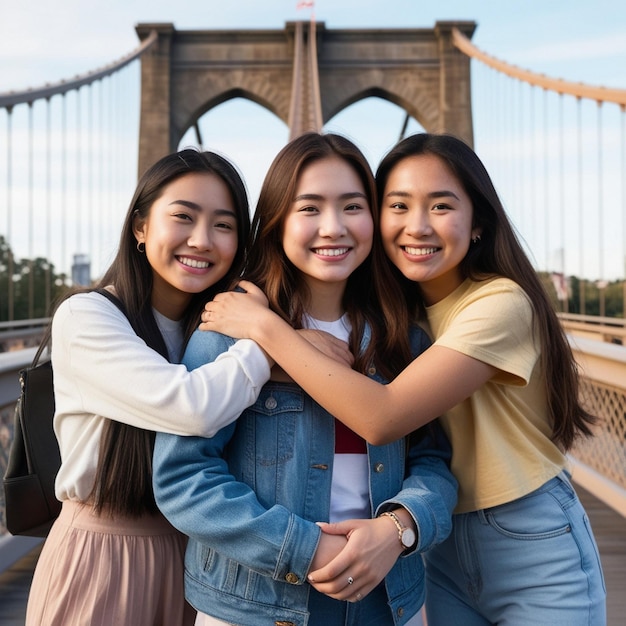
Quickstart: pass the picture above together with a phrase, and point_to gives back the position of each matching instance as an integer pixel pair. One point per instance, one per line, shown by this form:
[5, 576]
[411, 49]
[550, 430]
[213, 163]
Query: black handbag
[34, 457]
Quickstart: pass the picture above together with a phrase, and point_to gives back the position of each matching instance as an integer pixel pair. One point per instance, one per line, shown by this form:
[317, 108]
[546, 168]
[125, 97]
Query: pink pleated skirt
[98, 571]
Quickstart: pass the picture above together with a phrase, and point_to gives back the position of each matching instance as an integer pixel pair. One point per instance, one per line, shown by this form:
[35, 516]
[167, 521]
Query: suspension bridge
[70, 154]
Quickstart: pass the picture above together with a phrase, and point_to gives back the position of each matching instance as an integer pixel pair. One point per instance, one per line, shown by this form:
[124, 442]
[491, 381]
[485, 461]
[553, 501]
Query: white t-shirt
[350, 492]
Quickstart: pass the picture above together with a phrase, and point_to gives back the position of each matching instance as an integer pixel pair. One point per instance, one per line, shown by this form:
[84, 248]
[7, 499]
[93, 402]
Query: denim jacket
[249, 498]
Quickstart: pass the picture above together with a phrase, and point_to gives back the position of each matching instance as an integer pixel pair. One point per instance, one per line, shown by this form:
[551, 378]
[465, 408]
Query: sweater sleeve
[101, 367]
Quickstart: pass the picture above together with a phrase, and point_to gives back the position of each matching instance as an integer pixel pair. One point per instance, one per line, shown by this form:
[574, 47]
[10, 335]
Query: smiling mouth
[202, 265]
[331, 251]
[419, 251]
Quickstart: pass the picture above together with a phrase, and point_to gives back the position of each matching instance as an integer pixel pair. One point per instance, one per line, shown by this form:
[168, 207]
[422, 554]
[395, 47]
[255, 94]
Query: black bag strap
[45, 340]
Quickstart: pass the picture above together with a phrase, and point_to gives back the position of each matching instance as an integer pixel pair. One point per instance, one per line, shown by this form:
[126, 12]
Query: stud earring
[476, 239]
[141, 247]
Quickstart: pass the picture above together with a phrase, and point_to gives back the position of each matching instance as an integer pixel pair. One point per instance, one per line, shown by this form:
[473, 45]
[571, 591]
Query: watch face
[408, 538]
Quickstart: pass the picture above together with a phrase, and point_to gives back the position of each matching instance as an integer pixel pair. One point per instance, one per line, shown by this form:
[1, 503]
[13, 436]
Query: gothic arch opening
[375, 124]
[246, 133]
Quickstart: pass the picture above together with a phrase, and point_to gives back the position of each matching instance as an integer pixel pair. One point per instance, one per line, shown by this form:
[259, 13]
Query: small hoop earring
[476, 239]
[141, 247]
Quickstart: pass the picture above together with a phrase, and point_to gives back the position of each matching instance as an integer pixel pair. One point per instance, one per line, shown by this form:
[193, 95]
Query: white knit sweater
[102, 369]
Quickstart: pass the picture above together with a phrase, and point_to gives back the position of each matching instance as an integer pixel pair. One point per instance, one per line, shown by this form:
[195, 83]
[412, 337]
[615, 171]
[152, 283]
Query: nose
[417, 223]
[332, 224]
[201, 238]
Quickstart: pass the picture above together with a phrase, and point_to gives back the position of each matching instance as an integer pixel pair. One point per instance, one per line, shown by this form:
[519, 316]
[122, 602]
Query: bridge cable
[48, 286]
[601, 282]
[581, 227]
[31, 220]
[10, 285]
[565, 300]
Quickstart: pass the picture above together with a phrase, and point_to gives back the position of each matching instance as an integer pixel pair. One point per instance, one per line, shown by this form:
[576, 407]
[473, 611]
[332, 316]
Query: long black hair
[499, 253]
[123, 483]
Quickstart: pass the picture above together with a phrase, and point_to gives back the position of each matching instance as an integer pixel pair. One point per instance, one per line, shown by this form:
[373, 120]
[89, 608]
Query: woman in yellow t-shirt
[501, 373]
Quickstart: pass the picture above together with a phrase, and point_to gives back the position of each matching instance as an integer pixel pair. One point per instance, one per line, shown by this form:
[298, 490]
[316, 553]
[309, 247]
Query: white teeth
[420, 251]
[330, 251]
[193, 263]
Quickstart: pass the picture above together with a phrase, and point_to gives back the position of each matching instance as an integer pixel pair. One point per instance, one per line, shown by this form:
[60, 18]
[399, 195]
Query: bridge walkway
[609, 528]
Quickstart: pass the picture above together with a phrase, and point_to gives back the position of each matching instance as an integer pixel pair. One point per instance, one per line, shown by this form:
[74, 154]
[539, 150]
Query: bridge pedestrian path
[609, 528]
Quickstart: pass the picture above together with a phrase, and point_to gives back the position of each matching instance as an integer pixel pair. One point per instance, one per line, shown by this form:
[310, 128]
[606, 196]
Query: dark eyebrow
[186, 203]
[434, 194]
[196, 207]
[344, 196]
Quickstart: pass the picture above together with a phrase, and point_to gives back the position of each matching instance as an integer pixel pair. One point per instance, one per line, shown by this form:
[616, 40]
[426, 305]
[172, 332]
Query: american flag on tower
[305, 4]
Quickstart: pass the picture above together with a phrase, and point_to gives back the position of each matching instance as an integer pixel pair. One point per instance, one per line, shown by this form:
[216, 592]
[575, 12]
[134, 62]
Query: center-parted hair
[369, 296]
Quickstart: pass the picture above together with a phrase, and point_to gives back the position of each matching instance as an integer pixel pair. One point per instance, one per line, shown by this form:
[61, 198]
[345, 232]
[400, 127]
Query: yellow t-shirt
[500, 436]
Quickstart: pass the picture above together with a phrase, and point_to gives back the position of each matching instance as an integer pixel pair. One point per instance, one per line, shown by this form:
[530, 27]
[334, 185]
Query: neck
[326, 303]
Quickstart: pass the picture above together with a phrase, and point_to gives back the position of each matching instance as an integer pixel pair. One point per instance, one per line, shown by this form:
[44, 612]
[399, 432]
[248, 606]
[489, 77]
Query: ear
[139, 229]
[477, 232]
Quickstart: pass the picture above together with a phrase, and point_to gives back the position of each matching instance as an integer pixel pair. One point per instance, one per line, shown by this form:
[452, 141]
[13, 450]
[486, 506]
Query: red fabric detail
[347, 441]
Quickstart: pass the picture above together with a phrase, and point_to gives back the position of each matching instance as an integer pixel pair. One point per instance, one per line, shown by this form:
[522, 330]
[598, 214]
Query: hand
[370, 553]
[232, 313]
[328, 548]
[328, 344]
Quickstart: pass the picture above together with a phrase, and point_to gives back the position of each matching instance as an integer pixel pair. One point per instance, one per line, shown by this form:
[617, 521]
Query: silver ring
[350, 580]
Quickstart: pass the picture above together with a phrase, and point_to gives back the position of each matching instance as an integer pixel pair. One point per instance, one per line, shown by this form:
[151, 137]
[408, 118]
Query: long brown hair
[500, 253]
[123, 483]
[369, 297]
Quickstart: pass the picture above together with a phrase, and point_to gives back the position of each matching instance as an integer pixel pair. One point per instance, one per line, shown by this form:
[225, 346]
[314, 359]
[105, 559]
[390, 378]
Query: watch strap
[399, 526]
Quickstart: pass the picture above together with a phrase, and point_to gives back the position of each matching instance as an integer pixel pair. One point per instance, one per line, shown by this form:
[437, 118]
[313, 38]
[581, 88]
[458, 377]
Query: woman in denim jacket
[253, 498]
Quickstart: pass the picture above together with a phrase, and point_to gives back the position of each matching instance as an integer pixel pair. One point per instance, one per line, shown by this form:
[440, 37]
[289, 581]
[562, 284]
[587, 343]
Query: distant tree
[35, 285]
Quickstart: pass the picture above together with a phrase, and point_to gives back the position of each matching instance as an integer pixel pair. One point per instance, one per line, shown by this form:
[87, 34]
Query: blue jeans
[373, 610]
[530, 561]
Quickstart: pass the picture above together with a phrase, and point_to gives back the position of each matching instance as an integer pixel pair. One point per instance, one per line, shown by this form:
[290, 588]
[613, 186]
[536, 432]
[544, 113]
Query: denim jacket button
[271, 403]
[371, 371]
[379, 467]
[292, 578]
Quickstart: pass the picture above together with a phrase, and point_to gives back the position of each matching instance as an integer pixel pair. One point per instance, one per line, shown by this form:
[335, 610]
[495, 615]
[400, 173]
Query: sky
[44, 42]
[578, 40]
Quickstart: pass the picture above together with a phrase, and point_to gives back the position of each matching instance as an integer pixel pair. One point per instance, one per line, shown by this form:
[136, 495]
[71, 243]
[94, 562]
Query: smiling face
[426, 224]
[328, 230]
[190, 239]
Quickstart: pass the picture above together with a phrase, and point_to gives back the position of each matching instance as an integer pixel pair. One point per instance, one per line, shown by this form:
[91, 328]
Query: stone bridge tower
[304, 74]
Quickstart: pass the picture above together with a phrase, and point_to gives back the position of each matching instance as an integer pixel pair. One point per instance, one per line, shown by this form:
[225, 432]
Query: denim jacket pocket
[266, 431]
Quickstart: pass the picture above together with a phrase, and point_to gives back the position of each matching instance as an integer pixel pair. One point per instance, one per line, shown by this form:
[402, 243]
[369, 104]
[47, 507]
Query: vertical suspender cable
[48, 286]
[532, 151]
[546, 166]
[101, 185]
[562, 202]
[581, 226]
[10, 294]
[31, 219]
[601, 283]
[78, 249]
[110, 182]
[521, 168]
[623, 188]
[90, 160]
[63, 184]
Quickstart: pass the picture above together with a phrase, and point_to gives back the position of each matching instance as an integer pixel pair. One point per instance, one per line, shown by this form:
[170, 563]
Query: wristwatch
[405, 535]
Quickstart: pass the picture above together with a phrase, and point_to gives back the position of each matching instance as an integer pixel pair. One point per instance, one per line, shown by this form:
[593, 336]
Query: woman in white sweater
[111, 557]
